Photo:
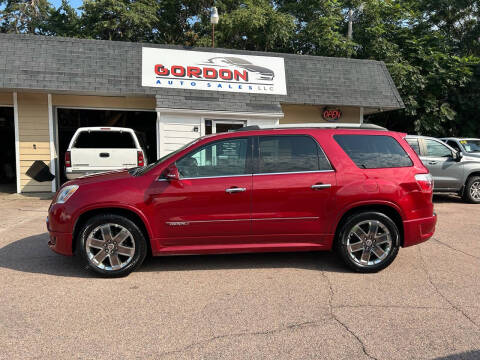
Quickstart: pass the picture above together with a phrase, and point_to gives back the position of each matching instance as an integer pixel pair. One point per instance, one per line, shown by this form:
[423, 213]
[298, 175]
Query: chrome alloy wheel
[369, 243]
[475, 191]
[110, 247]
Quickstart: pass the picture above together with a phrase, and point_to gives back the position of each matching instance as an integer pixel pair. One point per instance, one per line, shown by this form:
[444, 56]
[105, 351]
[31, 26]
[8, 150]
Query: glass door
[219, 126]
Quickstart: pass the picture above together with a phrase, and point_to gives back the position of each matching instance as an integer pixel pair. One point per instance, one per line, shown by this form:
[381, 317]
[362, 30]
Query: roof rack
[314, 125]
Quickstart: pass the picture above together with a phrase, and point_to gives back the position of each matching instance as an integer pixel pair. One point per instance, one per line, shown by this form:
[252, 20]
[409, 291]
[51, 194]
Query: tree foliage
[431, 47]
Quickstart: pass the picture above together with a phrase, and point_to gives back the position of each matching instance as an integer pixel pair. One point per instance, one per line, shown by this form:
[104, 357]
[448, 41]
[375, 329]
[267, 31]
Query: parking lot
[269, 306]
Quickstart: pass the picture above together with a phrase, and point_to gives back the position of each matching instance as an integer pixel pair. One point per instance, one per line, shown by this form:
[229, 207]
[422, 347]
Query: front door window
[222, 158]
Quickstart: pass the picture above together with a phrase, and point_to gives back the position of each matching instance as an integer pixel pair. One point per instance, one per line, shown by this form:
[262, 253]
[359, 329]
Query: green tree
[123, 20]
[63, 21]
[250, 25]
[320, 27]
[24, 16]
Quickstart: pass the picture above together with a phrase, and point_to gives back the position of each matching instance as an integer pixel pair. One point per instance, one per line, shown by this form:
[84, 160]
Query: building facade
[171, 94]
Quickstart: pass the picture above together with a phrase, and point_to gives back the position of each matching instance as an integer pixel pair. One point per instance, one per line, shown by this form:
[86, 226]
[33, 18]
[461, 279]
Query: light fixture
[214, 20]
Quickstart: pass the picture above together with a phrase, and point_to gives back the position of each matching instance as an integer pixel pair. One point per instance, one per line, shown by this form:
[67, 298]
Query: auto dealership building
[171, 94]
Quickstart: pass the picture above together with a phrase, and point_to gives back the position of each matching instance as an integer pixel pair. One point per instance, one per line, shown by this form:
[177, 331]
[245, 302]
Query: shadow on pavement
[447, 198]
[469, 355]
[32, 255]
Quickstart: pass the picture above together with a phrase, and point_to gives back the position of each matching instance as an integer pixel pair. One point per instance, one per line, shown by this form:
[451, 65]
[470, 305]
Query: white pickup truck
[99, 149]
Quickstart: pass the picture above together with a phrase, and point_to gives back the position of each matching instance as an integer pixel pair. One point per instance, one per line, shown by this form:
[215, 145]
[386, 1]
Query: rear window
[104, 140]
[374, 151]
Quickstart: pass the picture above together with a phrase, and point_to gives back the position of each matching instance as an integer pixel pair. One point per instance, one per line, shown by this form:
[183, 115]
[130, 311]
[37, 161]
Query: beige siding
[34, 138]
[294, 114]
[6, 98]
[147, 103]
[176, 131]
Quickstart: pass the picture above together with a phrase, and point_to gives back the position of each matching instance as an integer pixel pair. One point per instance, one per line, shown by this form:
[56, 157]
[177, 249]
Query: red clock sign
[331, 114]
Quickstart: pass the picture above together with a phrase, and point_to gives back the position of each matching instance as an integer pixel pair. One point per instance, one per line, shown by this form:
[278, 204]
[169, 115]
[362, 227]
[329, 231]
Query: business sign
[195, 70]
[331, 114]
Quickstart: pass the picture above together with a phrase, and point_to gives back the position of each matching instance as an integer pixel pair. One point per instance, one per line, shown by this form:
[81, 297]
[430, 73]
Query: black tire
[469, 194]
[378, 243]
[134, 244]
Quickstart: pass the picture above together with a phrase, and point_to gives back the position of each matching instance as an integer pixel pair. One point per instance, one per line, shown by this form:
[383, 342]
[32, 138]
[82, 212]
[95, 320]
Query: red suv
[363, 192]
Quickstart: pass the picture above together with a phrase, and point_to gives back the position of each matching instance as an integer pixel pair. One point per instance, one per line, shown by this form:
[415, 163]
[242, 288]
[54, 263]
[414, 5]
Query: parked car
[363, 192]
[99, 149]
[452, 170]
[467, 146]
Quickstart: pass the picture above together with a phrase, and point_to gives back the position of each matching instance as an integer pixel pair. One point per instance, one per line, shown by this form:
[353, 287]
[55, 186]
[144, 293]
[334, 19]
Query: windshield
[471, 146]
[142, 170]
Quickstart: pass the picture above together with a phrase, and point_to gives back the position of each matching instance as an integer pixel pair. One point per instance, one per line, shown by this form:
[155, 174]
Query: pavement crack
[437, 290]
[455, 249]
[342, 324]
[246, 333]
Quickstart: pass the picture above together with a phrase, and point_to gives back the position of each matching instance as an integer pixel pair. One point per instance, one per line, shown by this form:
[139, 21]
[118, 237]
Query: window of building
[374, 151]
[279, 154]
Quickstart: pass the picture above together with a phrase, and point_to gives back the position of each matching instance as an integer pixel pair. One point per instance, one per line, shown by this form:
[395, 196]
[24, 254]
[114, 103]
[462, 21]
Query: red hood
[101, 177]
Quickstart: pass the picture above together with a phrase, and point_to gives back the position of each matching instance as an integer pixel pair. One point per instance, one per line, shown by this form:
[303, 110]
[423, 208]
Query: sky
[74, 3]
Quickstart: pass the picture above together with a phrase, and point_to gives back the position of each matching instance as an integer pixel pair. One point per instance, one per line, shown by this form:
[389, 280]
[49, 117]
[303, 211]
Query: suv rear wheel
[368, 242]
[472, 190]
[112, 245]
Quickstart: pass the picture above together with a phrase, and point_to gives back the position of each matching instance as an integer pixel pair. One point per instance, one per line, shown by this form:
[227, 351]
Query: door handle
[321, 186]
[104, 155]
[233, 190]
[432, 162]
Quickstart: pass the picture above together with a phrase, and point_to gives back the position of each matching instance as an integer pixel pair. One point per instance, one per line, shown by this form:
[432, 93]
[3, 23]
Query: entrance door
[293, 190]
[7, 151]
[219, 126]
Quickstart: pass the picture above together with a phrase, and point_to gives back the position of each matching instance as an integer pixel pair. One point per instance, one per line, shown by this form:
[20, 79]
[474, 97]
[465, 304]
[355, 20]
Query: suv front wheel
[368, 242]
[112, 245]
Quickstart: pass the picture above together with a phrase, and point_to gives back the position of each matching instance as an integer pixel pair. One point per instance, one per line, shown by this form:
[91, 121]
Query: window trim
[376, 168]
[248, 161]
[256, 160]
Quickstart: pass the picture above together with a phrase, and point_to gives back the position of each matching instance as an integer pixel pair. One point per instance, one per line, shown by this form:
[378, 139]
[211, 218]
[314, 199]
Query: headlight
[65, 193]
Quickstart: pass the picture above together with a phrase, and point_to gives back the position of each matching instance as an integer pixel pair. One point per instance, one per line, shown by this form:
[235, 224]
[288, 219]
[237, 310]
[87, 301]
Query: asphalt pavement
[250, 306]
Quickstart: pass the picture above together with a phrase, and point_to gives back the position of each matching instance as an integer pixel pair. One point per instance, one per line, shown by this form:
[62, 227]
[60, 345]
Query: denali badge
[178, 223]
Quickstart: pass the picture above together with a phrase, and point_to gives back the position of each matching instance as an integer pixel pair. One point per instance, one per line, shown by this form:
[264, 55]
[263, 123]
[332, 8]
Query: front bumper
[418, 230]
[61, 243]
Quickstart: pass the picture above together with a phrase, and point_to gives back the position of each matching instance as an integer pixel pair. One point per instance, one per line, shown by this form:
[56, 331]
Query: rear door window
[290, 153]
[374, 151]
[104, 140]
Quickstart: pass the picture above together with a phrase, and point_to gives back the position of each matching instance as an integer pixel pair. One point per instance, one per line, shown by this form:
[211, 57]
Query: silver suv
[452, 170]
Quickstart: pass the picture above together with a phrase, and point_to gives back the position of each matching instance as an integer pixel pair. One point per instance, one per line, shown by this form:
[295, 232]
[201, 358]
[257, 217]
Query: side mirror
[171, 173]
[457, 155]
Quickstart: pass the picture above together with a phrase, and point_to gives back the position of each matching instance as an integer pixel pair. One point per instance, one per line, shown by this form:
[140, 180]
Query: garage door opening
[69, 120]
[8, 180]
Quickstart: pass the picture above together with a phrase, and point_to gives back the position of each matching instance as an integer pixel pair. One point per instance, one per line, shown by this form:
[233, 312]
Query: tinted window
[374, 151]
[222, 158]
[453, 144]
[104, 140]
[414, 145]
[290, 154]
[437, 149]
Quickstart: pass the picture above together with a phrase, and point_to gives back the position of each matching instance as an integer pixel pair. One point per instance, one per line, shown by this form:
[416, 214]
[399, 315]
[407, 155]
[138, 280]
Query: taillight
[68, 160]
[425, 181]
[140, 158]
